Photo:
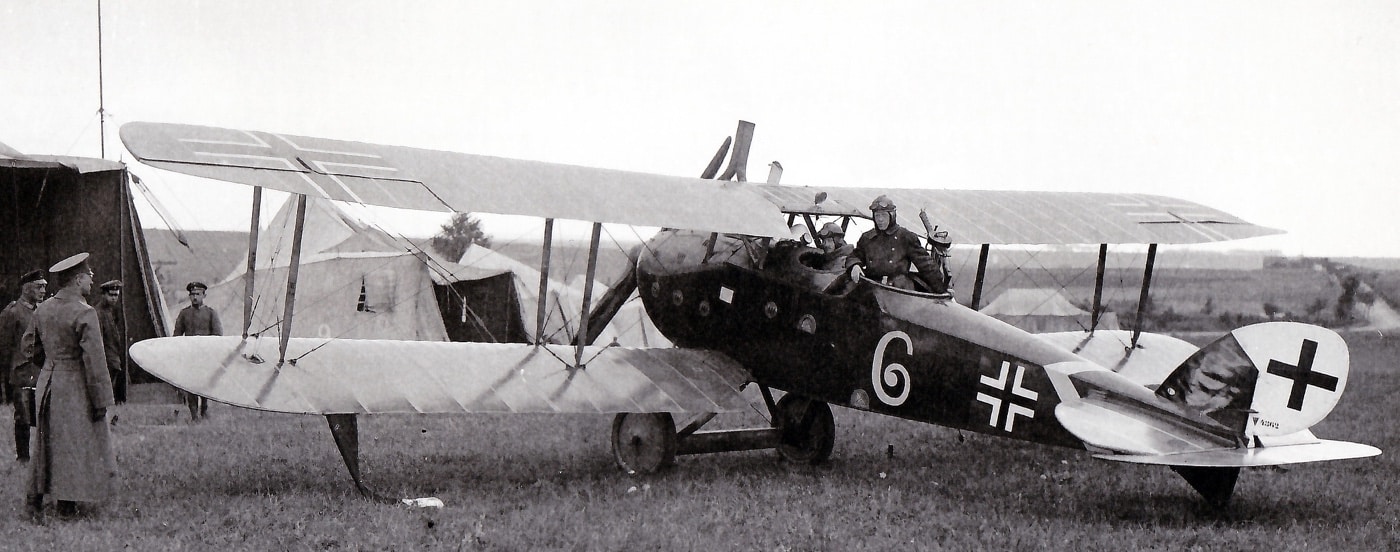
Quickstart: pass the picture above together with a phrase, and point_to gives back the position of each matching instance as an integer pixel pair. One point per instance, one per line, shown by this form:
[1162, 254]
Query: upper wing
[349, 376]
[1019, 217]
[412, 178]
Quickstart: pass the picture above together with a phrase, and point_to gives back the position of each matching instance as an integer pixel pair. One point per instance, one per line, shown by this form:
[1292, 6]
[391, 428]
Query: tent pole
[252, 260]
[981, 276]
[540, 311]
[154, 304]
[292, 280]
[1098, 289]
[1142, 299]
[588, 292]
[101, 104]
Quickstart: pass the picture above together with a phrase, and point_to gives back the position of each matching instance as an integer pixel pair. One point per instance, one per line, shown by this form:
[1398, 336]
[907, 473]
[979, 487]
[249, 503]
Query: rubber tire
[644, 442]
[806, 429]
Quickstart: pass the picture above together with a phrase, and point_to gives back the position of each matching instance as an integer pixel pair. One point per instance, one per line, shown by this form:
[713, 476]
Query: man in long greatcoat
[72, 454]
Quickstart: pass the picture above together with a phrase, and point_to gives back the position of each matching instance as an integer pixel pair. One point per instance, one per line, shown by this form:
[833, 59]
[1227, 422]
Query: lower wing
[347, 376]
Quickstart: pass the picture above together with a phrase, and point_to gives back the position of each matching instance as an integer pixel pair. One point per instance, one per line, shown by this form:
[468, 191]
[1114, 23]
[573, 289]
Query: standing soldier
[14, 321]
[109, 314]
[73, 458]
[197, 319]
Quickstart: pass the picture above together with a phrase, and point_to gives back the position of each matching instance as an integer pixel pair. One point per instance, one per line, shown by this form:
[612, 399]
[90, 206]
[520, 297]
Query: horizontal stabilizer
[1319, 451]
[1130, 419]
[351, 376]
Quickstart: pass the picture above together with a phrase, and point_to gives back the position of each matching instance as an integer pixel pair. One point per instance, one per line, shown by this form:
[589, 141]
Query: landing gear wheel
[806, 430]
[644, 442]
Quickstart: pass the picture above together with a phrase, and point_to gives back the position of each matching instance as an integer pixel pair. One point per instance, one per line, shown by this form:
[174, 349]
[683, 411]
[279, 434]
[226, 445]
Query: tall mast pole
[101, 111]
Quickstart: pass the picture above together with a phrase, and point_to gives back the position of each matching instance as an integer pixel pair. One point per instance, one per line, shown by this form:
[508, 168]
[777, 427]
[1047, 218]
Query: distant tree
[1271, 310]
[1366, 297]
[1316, 307]
[1346, 301]
[458, 234]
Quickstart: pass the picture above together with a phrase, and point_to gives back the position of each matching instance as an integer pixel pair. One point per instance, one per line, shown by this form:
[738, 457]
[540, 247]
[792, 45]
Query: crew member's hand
[856, 272]
[98, 414]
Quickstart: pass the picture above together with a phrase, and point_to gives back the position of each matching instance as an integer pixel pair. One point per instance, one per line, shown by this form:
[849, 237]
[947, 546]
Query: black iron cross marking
[1302, 375]
[1006, 388]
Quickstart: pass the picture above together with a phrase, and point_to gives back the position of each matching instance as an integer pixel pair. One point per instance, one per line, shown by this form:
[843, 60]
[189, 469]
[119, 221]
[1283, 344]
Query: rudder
[1274, 378]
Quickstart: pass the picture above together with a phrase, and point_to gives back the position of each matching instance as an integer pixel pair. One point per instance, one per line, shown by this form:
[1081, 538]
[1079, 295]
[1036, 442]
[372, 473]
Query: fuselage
[871, 347]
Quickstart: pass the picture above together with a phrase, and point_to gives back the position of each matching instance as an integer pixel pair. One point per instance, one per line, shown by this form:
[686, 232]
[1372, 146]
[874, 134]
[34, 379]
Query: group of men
[885, 253]
[58, 360]
[63, 362]
[19, 374]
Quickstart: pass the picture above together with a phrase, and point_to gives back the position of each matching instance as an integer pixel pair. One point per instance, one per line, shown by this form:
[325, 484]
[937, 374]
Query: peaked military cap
[33, 276]
[75, 263]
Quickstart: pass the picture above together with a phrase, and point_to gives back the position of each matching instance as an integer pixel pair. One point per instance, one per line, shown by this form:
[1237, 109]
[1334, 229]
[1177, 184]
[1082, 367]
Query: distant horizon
[1114, 249]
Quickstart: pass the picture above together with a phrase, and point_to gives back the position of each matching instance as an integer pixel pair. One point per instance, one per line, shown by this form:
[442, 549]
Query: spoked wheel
[644, 442]
[807, 432]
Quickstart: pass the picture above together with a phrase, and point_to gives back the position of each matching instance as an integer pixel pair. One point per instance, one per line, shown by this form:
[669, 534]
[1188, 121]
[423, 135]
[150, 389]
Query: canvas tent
[356, 281]
[54, 206]
[630, 327]
[1039, 310]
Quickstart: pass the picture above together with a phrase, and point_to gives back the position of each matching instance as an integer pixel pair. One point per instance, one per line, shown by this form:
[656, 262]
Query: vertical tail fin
[1274, 378]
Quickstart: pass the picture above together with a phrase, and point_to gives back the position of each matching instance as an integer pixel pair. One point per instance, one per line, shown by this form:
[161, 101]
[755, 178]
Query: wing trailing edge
[349, 376]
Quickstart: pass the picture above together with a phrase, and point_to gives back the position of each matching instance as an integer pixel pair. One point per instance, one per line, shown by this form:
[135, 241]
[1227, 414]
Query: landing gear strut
[806, 430]
[802, 431]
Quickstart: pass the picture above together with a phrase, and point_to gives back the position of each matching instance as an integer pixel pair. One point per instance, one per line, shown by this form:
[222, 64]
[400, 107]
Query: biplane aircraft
[746, 306]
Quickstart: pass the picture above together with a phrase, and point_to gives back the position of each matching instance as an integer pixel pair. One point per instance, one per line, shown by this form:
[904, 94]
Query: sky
[1286, 114]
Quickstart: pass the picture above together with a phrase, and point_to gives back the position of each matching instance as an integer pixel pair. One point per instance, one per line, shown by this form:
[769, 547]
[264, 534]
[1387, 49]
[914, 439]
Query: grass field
[246, 480]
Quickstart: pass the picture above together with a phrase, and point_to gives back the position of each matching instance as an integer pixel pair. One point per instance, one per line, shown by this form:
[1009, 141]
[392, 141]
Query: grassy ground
[252, 481]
